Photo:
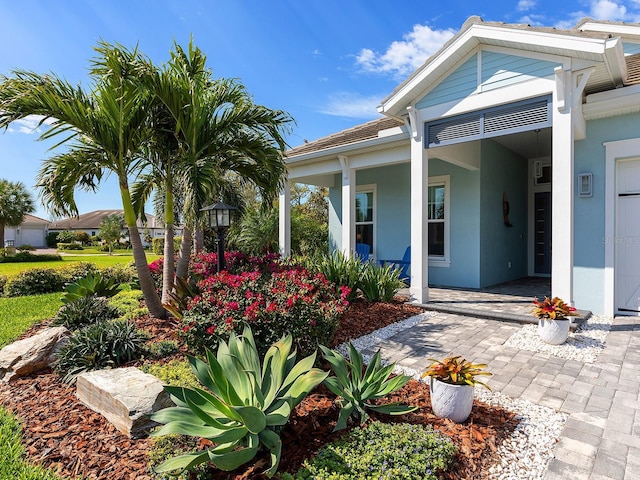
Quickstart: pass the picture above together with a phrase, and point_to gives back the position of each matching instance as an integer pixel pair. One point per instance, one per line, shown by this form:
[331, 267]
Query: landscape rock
[124, 396]
[32, 354]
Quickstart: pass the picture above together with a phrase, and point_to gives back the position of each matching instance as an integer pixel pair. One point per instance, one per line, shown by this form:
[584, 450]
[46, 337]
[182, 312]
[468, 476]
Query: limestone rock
[124, 396]
[32, 354]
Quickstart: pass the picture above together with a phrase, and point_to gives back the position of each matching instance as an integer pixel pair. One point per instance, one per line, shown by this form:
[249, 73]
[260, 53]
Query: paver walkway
[601, 439]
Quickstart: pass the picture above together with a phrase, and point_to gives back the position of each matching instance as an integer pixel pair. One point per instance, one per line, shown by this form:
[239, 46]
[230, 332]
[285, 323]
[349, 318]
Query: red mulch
[62, 434]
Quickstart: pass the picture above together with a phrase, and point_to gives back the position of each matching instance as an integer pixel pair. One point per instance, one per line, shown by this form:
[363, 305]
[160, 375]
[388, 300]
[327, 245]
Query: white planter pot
[554, 332]
[451, 401]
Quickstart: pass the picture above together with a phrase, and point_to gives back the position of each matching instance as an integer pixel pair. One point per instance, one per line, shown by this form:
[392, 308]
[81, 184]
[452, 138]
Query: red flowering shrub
[204, 264]
[155, 268]
[273, 303]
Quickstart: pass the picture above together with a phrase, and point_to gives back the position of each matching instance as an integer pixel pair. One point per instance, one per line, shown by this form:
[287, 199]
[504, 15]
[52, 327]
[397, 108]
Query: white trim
[614, 151]
[372, 187]
[284, 220]
[445, 260]
[612, 103]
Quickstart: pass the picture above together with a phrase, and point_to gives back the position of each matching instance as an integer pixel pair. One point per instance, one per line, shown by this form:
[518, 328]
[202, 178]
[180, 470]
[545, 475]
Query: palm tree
[105, 129]
[15, 203]
[220, 129]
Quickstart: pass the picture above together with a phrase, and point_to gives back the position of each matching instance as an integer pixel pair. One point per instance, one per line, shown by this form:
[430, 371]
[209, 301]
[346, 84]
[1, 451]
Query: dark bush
[157, 245]
[30, 257]
[84, 311]
[35, 281]
[82, 237]
[52, 239]
[66, 236]
[26, 248]
[69, 246]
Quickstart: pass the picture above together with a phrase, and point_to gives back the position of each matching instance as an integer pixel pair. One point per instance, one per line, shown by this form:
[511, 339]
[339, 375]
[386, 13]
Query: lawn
[17, 314]
[102, 260]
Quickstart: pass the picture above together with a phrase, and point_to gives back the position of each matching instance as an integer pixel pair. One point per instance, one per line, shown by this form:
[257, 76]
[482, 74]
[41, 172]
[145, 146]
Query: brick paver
[601, 439]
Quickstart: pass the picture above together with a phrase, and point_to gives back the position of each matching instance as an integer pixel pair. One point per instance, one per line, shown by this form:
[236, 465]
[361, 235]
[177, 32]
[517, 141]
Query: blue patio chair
[362, 251]
[404, 265]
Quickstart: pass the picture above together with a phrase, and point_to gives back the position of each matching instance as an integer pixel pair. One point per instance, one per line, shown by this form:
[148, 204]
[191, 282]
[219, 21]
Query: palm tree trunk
[199, 240]
[1, 235]
[169, 254]
[182, 271]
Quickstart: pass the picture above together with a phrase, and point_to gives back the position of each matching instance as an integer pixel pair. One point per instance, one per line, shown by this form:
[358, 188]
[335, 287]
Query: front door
[542, 233]
[627, 239]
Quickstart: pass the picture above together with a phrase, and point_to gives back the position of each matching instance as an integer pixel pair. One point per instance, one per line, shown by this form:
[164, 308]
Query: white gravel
[584, 345]
[527, 451]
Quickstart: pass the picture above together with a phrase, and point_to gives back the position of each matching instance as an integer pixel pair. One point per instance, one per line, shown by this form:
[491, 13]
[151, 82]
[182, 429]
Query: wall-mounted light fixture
[585, 185]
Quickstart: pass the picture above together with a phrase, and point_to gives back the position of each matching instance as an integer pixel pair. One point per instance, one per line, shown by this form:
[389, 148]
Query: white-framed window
[366, 216]
[438, 218]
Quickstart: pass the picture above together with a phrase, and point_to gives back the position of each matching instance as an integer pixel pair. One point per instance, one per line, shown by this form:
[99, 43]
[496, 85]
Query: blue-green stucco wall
[503, 249]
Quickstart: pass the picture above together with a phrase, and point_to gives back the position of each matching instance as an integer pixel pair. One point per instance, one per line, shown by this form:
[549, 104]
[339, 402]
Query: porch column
[348, 206]
[562, 182]
[284, 221]
[419, 225]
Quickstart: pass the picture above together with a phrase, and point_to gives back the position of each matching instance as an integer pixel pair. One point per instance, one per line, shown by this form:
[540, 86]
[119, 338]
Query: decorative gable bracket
[569, 88]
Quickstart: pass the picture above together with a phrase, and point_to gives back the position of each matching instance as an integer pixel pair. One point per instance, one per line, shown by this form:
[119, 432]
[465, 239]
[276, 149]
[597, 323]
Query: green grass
[17, 314]
[12, 463]
[12, 269]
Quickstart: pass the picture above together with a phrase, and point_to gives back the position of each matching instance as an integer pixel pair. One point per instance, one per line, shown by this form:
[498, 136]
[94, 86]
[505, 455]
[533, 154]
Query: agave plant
[357, 390]
[244, 406]
[92, 284]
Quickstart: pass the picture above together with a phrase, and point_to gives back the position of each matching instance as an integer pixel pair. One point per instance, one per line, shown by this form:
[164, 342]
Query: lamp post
[218, 217]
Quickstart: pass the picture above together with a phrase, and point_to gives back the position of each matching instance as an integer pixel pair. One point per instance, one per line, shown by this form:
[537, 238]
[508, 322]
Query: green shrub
[52, 239]
[76, 271]
[30, 257]
[163, 448]
[34, 281]
[26, 248]
[100, 345]
[289, 301]
[245, 405]
[121, 273]
[341, 271]
[176, 373]
[82, 237]
[91, 285]
[380, 283]
[3, 282]
[381, 451]
[69, 246]
[163, 348]
[126, 301]
[84, 311]
[157, 245]
[66, 236]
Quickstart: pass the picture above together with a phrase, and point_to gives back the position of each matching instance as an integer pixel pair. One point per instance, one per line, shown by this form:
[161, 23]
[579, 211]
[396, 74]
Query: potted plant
[451, 383]
[553, 319]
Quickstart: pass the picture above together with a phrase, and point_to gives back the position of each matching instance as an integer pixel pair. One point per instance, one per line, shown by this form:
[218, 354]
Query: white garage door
[627, 241]
[32, 236]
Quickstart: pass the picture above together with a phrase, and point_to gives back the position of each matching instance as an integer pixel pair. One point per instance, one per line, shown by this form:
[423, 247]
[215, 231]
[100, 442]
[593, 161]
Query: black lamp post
[218, 217]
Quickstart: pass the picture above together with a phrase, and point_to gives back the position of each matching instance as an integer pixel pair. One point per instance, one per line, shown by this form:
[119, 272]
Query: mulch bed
[62, 434]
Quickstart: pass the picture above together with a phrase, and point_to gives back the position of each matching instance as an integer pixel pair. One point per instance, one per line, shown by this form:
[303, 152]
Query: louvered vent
[490, 123]
[452, 130]
[515, 117]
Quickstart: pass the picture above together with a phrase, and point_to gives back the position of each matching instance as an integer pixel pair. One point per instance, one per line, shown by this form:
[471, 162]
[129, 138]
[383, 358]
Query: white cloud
[29, 125]
[352, 105]
[608, 10]
[403, 57]
[524, 5]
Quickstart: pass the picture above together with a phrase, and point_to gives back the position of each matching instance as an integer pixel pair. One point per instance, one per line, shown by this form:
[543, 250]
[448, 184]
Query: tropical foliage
[457, 371]
[552, 309]
[92, 284]
[244, 405]
[356, 390]
[15, 202]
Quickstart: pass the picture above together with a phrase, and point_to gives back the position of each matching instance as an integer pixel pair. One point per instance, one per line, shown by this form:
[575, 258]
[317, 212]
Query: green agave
[92, 284]
[244, 405]
[356, 390]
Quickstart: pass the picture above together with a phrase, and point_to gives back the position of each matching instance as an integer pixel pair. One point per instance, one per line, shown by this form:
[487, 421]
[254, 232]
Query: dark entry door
[542, 233]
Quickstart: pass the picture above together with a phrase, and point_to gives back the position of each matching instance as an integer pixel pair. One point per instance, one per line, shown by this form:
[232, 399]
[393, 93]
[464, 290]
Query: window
[438, 220]
[365, 215]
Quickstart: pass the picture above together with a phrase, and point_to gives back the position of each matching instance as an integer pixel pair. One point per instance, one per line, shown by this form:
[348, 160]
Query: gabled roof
[92, 220]
[32, 219]
[589, 44]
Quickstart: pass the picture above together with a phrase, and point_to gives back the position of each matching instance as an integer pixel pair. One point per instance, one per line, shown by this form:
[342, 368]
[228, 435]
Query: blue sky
[327, 62]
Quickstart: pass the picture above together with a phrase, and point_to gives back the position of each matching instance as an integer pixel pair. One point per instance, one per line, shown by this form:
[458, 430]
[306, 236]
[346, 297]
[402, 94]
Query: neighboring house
[90, 223]
[509, 140]
[32, 231]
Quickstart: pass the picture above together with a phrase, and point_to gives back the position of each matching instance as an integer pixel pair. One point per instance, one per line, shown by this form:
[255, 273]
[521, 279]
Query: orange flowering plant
[457, 371]
[552, 309]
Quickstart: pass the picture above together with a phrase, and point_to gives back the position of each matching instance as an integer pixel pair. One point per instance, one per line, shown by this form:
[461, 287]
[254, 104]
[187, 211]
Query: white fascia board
[478, 101]
[348, 150]
[318, 180]
[325, 167]
[611, 103]
[381, 158]
[561, 45]
[615, 62]
[611, 28]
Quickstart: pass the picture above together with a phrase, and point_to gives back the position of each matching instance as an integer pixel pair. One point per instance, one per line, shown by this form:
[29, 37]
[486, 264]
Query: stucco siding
[503, 249]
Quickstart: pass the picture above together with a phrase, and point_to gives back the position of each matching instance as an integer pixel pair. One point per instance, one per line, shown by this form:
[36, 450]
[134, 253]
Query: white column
[419, 231]
[562, 186]
[348, 206]
[284, 222]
